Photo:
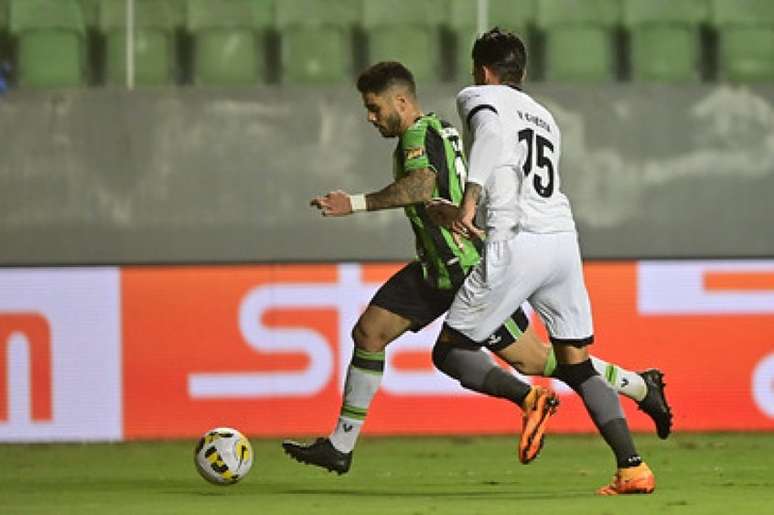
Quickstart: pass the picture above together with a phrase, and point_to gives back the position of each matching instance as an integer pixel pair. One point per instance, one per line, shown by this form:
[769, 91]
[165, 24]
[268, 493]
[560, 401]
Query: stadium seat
[407, 31]
[665, 38]
[578, 38]
[227, 40]
[316, 39]
[154, 43]
[514, 15]
[745, 39]
[50, 37]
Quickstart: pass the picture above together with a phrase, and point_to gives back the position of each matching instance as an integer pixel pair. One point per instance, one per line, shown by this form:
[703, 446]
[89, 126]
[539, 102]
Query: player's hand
[335, 203]
[441, 212]
[463, 226]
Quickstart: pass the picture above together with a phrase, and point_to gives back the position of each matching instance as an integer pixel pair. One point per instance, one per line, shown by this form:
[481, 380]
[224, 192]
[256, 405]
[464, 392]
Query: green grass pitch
[696, 474]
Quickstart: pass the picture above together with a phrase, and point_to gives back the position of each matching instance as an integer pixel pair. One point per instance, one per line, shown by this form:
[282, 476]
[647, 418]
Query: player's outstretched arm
[335, 203]
[416, 187]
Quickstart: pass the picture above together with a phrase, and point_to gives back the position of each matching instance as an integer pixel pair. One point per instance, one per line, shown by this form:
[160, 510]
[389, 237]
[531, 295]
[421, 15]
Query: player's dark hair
[381, 76]
[503, 52]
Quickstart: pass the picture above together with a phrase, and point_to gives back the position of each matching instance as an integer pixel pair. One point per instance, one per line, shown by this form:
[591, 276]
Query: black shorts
[408, 294]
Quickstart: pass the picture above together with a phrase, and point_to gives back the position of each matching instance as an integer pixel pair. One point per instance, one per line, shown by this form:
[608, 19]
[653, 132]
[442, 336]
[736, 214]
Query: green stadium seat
[227, 37]
[407, 31]
[665, 38]
[578, 38]
[514, 15]
[154, 42]
[50, 37]
[745, 39]
[316, 44]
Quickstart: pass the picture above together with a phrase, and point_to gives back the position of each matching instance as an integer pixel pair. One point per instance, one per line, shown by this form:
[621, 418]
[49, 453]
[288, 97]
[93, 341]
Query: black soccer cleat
[321, 453]
[655, 404]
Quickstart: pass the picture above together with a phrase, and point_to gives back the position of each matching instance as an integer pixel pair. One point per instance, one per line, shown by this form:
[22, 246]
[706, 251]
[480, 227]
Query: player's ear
[400, 100]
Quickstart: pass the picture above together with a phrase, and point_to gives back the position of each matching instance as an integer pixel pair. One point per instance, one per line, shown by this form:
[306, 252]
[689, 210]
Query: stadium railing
[155, 57]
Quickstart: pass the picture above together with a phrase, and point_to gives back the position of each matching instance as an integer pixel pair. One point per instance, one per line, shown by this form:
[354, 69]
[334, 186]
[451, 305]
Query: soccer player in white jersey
[428, 163]
[531, 250]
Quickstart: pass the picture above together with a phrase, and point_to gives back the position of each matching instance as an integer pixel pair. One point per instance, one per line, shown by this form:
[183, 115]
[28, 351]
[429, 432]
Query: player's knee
[440, 351]
[444, 337]
[576, 374]
[368, 339]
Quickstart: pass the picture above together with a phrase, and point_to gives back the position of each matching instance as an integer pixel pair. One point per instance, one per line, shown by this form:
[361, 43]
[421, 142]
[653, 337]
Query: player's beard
[391, 126]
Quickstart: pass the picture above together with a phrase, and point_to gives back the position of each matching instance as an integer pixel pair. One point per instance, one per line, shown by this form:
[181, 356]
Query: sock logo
[494, 339]
[624, 382]
[347, 427]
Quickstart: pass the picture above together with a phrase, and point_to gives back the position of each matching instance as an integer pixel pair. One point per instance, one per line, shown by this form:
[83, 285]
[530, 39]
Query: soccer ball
[223, 456]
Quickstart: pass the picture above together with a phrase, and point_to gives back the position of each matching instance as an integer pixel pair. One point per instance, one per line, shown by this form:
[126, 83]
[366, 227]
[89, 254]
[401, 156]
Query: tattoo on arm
[414, 188]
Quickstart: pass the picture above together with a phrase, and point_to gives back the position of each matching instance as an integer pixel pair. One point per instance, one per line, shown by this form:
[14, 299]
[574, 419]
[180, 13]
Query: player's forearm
[414, 188]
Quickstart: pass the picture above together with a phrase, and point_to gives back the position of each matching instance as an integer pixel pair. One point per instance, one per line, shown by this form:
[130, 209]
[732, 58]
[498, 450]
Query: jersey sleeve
[414, 148]
[472, 100]
[486, 147]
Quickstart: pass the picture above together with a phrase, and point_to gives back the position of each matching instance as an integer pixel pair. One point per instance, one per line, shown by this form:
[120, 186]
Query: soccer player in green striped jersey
[428, 163]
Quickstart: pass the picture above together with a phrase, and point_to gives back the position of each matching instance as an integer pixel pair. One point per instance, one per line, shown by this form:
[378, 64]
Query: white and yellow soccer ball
[223, 456]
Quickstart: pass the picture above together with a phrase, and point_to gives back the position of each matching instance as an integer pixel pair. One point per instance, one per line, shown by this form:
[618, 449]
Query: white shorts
[544, 269]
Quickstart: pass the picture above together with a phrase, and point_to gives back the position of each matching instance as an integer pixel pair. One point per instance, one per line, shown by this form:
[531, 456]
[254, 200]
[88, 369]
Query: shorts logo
[414, 153]
[494, 339]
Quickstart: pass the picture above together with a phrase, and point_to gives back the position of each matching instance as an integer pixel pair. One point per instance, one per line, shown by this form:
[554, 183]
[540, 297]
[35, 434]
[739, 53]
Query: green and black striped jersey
[435, 144]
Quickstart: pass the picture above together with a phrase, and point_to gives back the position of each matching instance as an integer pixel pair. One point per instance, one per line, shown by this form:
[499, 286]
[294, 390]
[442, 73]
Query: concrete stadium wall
[197, 175]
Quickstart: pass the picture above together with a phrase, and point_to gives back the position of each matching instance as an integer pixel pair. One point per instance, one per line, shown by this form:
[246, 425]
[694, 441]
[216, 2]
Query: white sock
[363, 379]
[623, 381]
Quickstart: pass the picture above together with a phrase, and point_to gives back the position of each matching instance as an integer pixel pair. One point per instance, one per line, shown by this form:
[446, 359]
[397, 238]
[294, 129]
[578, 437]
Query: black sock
[616, 434]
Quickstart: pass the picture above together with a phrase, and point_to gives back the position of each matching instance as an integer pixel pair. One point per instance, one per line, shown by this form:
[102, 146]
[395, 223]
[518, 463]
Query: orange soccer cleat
[633, 480]
[538, 407]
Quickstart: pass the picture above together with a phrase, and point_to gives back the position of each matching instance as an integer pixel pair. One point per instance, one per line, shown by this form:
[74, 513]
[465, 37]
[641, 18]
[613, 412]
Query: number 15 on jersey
[544, 167]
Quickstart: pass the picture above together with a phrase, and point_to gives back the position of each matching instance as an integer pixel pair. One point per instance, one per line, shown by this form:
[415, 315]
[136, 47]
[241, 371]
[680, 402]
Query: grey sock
[499, 383]
[475, 370]
[601, 401]
[604, 407]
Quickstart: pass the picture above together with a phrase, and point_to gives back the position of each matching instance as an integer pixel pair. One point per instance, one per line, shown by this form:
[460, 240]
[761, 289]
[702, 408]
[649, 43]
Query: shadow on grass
[469, 494]
[483, 493]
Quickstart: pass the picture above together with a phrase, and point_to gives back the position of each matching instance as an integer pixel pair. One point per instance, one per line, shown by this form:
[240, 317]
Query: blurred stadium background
[161, 271]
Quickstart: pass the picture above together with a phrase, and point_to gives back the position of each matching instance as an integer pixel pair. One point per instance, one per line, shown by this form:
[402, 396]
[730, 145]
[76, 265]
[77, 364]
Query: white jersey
[521, 191]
